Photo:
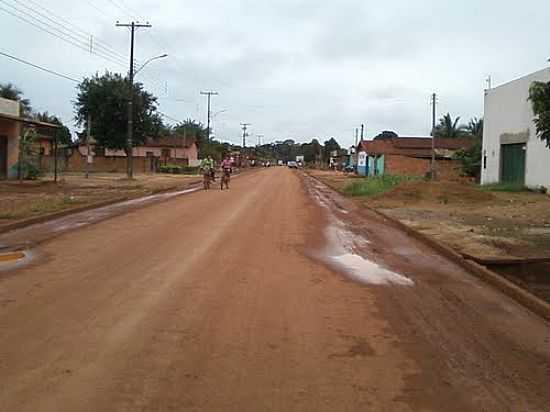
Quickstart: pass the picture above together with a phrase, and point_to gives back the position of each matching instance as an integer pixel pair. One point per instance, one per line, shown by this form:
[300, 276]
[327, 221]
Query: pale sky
[293, 68]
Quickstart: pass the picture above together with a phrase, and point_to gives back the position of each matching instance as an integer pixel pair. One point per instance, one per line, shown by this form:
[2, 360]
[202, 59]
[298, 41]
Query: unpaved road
[221, 301]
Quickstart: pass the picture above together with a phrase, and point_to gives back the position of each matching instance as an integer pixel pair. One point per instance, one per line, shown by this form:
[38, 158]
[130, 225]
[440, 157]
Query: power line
[86, 36]
[39, 67]
[48, 29]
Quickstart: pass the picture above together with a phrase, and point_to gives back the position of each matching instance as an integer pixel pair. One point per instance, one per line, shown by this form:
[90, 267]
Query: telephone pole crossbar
[130, 143]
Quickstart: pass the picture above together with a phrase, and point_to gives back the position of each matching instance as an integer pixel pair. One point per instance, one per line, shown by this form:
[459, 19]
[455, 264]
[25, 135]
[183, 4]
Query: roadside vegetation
[375, 185]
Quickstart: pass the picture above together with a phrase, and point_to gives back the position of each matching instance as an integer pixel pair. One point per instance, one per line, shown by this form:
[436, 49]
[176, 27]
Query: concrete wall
[509, 118]
[190, 153]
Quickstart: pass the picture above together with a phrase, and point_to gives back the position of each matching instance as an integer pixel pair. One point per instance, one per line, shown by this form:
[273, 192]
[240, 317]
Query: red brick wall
[411, 166]
[106, 164]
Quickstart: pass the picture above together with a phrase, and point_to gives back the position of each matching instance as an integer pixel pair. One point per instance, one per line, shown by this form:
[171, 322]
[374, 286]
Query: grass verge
[370, 186]
[503, 187]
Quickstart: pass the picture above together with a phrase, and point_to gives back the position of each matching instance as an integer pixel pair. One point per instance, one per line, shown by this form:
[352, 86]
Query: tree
[62, 134]
[192, 128]
[449, 128]
[470, 159]
[475, 127]
[105, 97]
[9, 91]
[539, 94]
[386, 134]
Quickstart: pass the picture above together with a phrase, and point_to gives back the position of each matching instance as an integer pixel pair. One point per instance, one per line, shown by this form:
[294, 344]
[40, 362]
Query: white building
[512, 151]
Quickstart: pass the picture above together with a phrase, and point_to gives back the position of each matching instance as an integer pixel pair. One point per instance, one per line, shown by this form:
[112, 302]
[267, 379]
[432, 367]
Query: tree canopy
[105, 97]
[63, 134]
[448, 127]
[475, 127]
[539, 94]
[12, 92]
[386, 134]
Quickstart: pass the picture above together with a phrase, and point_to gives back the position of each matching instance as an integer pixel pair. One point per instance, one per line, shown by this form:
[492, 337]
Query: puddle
[18, 263]
[369, 272]
[343, 249]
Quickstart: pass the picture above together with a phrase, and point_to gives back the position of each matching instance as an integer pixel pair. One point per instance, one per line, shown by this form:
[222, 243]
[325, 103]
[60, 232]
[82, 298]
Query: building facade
[410, 156]
[512, 151]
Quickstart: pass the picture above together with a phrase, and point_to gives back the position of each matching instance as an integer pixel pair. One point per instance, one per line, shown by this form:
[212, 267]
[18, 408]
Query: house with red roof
[410, 156]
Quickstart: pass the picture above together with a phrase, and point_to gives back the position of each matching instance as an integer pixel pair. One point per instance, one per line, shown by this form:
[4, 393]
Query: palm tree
[10, 91]
[191, 128]
[449, 128]
[475, 127]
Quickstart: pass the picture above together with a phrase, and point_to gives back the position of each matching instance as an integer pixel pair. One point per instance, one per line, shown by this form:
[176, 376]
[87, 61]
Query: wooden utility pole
[434, 111]
[88, 137]
[209, 94]
[130, 143]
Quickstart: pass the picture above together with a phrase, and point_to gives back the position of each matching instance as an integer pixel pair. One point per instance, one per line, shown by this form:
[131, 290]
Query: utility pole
[245, 127]
[259, 136]
[489, 81]
[130, 143]
[209, 94]
[434, 111]
[88, 136]
[362, 131]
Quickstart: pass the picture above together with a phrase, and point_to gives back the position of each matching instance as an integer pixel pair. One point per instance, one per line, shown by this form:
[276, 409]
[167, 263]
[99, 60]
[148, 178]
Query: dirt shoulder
[471, 221]
[32, 199]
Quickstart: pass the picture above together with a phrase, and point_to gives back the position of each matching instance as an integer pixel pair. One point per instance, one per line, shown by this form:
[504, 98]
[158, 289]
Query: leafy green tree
[539, 94]
[330, 146]
[475, 127]
[192, 129]
[470, 159]
[62, 134]
[448, 127]
[10, 91]
[387, 134]
[105, 97]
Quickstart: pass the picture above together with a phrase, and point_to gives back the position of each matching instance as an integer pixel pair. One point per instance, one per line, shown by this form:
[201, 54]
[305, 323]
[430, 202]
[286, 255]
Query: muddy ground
[19, 201]
[228, 301]
[471, 221]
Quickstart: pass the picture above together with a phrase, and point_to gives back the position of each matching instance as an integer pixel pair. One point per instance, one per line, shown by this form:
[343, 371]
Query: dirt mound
[444, 192]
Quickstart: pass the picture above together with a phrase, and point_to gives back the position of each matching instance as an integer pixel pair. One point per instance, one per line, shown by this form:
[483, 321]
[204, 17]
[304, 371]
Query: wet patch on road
[347, 251]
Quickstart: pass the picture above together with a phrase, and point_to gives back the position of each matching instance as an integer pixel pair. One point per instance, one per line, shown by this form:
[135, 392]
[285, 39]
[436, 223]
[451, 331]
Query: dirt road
[237, 301]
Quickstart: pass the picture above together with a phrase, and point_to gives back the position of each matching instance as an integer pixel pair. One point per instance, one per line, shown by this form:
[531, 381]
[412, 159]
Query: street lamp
[162, 56]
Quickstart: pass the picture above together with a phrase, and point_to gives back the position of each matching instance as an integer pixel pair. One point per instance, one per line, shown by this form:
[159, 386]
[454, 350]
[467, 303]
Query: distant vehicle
[280, 163]
[292, 164]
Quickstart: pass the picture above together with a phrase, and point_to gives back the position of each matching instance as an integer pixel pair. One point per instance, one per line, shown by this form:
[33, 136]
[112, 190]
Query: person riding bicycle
[206, 167]
[227, 169]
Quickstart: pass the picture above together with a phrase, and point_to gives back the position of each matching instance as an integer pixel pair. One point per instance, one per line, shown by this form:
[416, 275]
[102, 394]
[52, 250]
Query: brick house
[12, 126]
[410, 156]
[147, 157]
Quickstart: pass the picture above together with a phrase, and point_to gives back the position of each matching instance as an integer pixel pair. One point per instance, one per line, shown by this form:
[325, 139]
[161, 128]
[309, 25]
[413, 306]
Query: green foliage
[192, 129]
[539, 94]
[330, 146]
[475, 127]
[29, 171]
[470, 159]
[386, 134]
[374, 185]
[448, 127]
[106, 97]
[503, 187]
[63, 134]
[12, 92]
[179, 170]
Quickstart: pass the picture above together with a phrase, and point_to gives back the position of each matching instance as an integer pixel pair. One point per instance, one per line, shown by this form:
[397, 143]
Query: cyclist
[206, 167]
[227, 168]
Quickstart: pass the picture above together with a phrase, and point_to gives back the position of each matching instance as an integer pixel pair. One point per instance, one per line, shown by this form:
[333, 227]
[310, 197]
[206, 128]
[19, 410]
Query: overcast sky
[293, 68]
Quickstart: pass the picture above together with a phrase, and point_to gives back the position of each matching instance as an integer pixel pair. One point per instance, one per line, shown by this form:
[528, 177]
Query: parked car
[292, 164]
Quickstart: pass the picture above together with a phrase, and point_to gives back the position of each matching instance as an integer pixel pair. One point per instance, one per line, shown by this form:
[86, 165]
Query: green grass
[370, 186]
[503, 187]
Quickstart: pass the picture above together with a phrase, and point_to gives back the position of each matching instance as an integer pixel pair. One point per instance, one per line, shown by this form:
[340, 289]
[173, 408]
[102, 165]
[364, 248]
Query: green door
[513, 163]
